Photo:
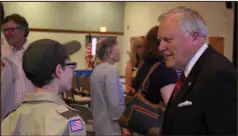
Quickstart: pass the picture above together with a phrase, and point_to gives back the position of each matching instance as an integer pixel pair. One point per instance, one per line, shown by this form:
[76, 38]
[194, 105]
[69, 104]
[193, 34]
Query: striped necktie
[178, 85]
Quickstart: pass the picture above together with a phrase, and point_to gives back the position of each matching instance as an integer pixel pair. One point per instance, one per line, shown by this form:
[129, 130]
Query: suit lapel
[184, 90]
[186, 85]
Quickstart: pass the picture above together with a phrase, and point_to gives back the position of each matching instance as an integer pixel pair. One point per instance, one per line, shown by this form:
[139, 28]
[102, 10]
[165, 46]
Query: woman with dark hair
[163, 79]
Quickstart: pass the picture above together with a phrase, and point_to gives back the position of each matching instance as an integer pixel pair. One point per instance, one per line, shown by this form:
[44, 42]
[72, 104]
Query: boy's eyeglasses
[72, 65]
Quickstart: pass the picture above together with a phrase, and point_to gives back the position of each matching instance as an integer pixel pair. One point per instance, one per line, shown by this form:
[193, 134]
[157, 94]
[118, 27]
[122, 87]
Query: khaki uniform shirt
[43, 114]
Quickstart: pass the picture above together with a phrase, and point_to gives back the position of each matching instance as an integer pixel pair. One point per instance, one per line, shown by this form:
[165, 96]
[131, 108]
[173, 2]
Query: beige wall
[141, 16]
[79, 56]
[70, 15]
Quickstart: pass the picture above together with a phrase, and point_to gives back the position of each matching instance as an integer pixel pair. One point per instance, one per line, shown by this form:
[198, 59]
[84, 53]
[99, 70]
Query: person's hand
[126, 132]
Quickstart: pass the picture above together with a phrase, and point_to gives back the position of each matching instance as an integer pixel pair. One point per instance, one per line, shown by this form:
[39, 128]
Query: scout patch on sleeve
[76, 125]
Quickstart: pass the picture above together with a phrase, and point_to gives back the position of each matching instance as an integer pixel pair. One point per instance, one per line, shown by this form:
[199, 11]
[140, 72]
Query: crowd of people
[196, 85]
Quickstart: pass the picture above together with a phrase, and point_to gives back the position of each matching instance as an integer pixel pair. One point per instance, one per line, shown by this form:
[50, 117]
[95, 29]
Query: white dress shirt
[23, 85]
[15, 78]
[194, 59]
[5, 48]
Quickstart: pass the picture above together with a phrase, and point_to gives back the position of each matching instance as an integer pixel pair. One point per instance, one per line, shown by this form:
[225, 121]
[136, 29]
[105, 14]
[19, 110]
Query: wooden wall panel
[217, 42]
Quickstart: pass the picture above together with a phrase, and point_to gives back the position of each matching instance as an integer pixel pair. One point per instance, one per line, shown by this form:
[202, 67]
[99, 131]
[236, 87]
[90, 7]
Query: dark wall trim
[74, 31]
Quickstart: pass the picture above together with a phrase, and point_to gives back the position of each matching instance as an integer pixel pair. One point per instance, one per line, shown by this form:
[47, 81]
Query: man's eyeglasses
[10, 29]
[72, 65]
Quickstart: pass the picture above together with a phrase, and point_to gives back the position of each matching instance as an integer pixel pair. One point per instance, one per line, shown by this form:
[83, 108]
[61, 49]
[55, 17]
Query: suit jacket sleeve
[220, 103]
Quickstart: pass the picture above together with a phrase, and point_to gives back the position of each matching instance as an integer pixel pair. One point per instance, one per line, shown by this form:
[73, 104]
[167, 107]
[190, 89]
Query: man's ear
[58, 70]
[194, 36]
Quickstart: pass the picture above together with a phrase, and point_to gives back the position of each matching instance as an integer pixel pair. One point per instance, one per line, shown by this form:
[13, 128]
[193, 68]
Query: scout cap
[42, 56]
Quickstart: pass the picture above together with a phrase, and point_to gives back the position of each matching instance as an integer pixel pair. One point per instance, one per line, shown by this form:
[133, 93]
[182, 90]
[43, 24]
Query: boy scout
[46, 64]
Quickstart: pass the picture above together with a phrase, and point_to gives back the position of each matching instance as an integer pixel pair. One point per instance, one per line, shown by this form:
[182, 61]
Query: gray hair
[189, 20]
[104, 46]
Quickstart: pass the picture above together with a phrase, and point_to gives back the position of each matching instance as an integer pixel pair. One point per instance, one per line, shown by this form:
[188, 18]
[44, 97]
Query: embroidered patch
[76, 125]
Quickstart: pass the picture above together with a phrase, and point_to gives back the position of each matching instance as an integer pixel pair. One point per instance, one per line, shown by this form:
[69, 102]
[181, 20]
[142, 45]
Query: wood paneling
[217, 42]
[73, 31]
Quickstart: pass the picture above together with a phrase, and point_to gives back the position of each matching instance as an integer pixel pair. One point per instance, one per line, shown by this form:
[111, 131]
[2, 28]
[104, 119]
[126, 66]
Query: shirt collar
[45, 96]
[194, 59]
[25, 46]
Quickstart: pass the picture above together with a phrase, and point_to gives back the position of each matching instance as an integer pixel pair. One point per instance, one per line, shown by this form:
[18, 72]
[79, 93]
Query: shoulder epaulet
[64, 111]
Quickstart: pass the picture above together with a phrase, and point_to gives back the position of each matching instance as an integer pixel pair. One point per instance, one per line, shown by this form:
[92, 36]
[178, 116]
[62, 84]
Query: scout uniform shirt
[43, 114]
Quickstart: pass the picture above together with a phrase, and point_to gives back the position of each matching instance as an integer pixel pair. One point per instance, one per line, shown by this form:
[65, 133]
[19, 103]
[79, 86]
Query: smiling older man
[205, 99]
